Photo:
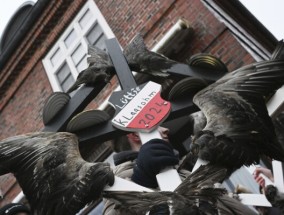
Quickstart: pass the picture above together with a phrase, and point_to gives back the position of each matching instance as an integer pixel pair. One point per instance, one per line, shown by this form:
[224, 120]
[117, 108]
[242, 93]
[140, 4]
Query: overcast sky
[270, 13]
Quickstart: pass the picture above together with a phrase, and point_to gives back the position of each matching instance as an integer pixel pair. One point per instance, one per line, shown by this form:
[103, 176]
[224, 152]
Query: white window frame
[65, 55]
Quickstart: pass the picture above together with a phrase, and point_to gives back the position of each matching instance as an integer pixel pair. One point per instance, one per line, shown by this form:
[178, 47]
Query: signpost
[139, 109]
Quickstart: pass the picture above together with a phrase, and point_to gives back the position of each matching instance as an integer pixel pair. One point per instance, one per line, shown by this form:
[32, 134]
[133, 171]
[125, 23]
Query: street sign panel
[140, 109]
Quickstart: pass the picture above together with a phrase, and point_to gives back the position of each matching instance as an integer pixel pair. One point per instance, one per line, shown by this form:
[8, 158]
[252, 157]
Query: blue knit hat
[14, 208]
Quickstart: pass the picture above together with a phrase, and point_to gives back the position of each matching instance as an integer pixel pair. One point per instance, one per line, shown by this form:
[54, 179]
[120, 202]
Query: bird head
[271, 193]
[200, 143]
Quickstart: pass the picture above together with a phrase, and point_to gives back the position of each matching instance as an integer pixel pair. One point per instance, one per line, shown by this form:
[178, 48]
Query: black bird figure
[142, 60]
[196, 195]
[238, 129]
[51, 172]
[100, 69]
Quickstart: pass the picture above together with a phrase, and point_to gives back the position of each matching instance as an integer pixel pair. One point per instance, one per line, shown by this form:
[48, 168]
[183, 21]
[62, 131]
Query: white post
[278, 175]
[19, 197]
[168, 179]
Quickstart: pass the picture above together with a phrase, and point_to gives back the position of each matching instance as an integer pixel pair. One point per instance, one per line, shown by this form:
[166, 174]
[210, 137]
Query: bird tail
[229, 205]
[98, 56]
[136, 44]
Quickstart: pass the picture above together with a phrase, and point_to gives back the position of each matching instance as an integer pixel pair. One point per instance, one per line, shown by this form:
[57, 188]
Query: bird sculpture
[139, 59]
[142, 60]
[51, 172]
[197, 194]
[238, 128]
[100, 69]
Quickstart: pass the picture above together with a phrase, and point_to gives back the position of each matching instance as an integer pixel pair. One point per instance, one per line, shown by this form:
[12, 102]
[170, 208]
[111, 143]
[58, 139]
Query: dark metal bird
[239, 129]
[100, 69]
[51, 172]
[275, 197]
[195, 195]
[142, 60]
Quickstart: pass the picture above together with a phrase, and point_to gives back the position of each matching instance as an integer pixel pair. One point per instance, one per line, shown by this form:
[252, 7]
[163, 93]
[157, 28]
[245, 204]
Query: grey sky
[269, 13]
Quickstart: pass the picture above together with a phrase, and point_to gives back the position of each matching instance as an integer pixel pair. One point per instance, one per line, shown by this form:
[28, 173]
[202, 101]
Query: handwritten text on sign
[145, 111]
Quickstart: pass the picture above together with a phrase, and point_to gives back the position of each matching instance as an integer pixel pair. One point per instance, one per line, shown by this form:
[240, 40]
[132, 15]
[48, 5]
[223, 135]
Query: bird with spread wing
[51, 172]
[238, 129]
[197, 194]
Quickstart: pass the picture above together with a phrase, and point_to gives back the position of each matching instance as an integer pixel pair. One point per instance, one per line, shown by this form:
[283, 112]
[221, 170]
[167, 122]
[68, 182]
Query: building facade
[44, 48]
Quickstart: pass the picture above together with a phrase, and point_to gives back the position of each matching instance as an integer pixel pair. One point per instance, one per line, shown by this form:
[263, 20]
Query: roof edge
[249, 22]
[35, 12]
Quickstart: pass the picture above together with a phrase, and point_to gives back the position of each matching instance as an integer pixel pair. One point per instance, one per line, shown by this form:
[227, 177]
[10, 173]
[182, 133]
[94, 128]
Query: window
[68, 57]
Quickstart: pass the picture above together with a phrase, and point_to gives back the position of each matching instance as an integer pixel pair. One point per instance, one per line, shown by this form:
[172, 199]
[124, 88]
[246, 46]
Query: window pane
[78, 54]
[85, 18]
[82, 64]
[67, 83]
[70, 38]
[94, 34]
[65, 77]
[63, 73]
[100, 43]
[55, 57]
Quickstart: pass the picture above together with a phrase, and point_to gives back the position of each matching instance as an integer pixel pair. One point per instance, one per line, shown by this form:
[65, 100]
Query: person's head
[15, 209]
[135, 141]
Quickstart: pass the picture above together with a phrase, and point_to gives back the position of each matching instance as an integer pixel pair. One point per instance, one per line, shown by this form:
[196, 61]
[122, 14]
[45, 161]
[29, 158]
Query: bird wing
[133, 202]
[235, 105]
[201, 183]
[228, 206]
[51, 171]
[197, 187]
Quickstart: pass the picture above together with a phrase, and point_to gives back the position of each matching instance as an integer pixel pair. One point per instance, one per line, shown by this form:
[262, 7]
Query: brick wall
[23, 113]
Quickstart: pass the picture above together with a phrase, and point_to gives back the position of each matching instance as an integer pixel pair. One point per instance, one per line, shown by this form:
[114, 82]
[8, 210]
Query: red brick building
[44, 47]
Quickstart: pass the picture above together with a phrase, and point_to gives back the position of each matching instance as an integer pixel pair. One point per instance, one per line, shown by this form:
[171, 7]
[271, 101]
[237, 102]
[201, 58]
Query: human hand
[259, 175]
[153, 156]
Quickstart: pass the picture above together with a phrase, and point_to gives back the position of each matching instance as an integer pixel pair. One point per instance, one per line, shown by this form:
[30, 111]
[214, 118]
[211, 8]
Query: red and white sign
[145, 111]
